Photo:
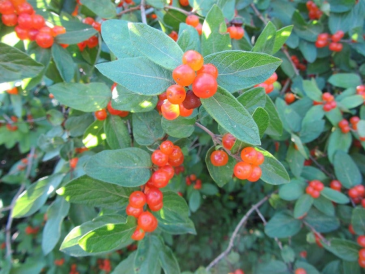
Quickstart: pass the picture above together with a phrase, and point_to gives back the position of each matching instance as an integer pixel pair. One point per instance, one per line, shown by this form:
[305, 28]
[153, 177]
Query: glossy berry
[160, 178]
[25, 21]
[184, 112]
[92, 42]
[156, 207]
[57, 30]
[361, 241]
[174, 36]
[138, 234]
[336, 185]
[219, 158]
[238, 271]
[175, 94]
[73, 162]
[346, 129]
[32, 34]
[198, 184]
[176, 153]
[96, 26]
[170, 111]
[101, 114]
[116, 112]
[337, 36]
[37, 21]
[300, 271]
[25, 8]
[209, 69]
[184, 3]
[44, 40]
[289, 98]
[193, 59]
[205, 86]
[6, 7]
[255, 175]
[259, 159]
[192, 20]
[154, 196]
[183, 75]
[147, 222]
[88, 20]
[199, 29]
[228, 141]
[249, 155]
[336, 47]
[353, 193]
[13, 91]
[167, 147]
[361, 262]
[360, 189]
[343, 123]
[272, 79]
[9, 20]
[137, 199]
[191, 100]
[362, 253]
[328, 97]
[321, 43]
[159, 158]
[134, 211]
[242, 170]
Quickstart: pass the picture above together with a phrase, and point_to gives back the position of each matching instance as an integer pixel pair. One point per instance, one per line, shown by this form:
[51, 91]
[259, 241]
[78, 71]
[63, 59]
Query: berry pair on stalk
[314, 11]
[324, 40]
[329, 102]
[268, 85]
[193, 20]
[345, 126]
[236, 30]
[314, 188]
[179, 102]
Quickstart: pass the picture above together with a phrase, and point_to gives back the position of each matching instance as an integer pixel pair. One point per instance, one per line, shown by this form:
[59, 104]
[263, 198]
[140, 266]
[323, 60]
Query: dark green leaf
[194, 200]
[273, 172]
[147, 127]
[188, 38]
[344, 249]
[103, 8]
[320, 222]
[335, 196]
[303, 205]
[116, 131]
[64, 62]
[261, 118]
[168, 261]
[252, 99]
[358, 220]
[178, 128]
[346, 170]
[265, 42]
[338, 142]
[292, 191]
[295, 160]
[147, 255]
[324, 205]
[275, 125]
[282, 225]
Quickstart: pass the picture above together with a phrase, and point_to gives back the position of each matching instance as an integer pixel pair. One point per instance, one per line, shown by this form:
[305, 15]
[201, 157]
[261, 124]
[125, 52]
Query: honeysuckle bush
[67, 171]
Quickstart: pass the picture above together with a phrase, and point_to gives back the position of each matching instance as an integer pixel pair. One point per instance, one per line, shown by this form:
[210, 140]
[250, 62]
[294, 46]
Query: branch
[258, 14]
[235, 232]
[143, 12]
[317, 233]
[177, 9]
[264, 221]
[10, 218]
[321, 167]
[128, 10]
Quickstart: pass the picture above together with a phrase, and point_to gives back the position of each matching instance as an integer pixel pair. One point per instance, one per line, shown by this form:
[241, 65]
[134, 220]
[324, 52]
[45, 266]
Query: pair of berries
[336, 185]
[297, 64]
[191, 179]
[249, 167]
[236, 31]
[12, 127]
[324, 40]
[360, 90]
[90, 21]
[329, 102]
[345, 126]
[356, 193]
[173, 35]
[220, 157]
[102, 114]
[31, 231]
[314, 12]
[104, 265]
[289, 98]
[268, 83]
[92, 42]
[361, 242]
[193, 20]
[314, 189]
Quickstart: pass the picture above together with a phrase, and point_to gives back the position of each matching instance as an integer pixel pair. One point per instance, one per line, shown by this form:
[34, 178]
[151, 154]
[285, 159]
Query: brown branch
[280, 245]
[321, 167]
[128, 10]
[317, 233]
[177, 9]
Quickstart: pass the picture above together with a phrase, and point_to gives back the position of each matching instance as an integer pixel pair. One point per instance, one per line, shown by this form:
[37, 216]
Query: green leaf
[275, 125]
[345, 80]
[84, 97]
[202, 7]
[116, 36]
[178, 128]
[76, 32]
[239, 69]
[173, 18]
[361, 128]
[209, 189]
[116, 131]
[16, 65]
[310, 269]
[344, 249]
[358, 220]
[295, 160]
[351, 267]
[147, 127]
[292, 191]
[273, 172]
[168, 261]
[324, 205]
[288, 254]
[311, 131]
[70, 244]
[346, 170]
[89, 191]
[280, 38]
[311, 173]
[125, 167]
[139, 75]
[215, 37]
[94, 135]
[299, 145]
[155, 45]
[103, 8]
[52, 230]
[265, 42]
[76, 125]
[55, 117]
[335, 196]
[124, 99]
[338, 142]
[194, 200]
[173, 218]
[341, 6]
[290, 118]
[352, 101]
[311, 89]
[64, 62]
[308, 31]
[309, 51]
[335, 116]
[126, 266]
[232, 116]
[108, 237]
[252, 99]
[188, 38]
[282, 225]
[147, 255]
[303, 205]
[261, 118]
[321, 222]
[35, 196]
[220, 174]
[276, 267]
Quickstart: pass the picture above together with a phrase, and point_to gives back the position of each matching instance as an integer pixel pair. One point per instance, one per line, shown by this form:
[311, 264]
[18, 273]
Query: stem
[285, 87]
[317, 233]
[280, 245]
[177, 9]
[143, 12]
[321, 167]
[235, 232]
[128, 10]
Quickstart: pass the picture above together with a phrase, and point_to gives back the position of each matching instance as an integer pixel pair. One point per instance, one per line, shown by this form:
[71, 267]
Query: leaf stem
[177, 9]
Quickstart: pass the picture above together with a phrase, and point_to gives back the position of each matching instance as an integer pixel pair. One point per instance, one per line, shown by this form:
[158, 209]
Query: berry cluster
[73, 269]
[268, 85]
[235, 29]
[59, 262]
[300, 271]
[289, 98]
[361, 242]
[28, 24]
[12, 127]
[176, 101]
[357, 193]
[104, 265]
[165, 158]
[329, 100]
[345, 126]
[336, 185]
[193, 20]
[93, 41]
[249, 167]
[324, 40]
[192, 179]
[297, 64]
[314, 189]
[314, 12]
[360, 90]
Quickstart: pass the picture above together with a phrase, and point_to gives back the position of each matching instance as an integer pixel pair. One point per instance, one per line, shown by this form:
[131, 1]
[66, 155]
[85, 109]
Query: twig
[177, 9]
[317, 233]
[258, 14]
[5, 208]
[235, 232]
[285, 87]
[143, 12]
[321, 167]
[280, 245]
[128, 10]
[10, 218]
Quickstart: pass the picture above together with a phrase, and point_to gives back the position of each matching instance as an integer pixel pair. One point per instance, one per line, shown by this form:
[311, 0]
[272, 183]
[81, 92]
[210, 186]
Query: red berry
[37, 21]
[147, 222]
[328, 97]
[167, 147]
[174, 36]
[272, 79]
[209, 69]
[316, 194]
[351, 229]
[360, 189]
[191, 100]
[323, 37]
[6, 7]
[353, 193]
[259, 159]
[362, 254]
[242, 170]
[154, 196]
[193, 59]
[138, 234]
[239, 33]
[176, 153]
[184, 112]
[169, 169]
[159, 158]
[300, 271]
[361, 262]
[232, 32]
[338, 36]
[137, 199]
[183, 75]
[360, 89]
[249, 155]
[25, 8]
[205, 86]
[25, 21]
[134, 211]
[321, 43]
[336, 185]
[327, 107]
[160, 178]
[337, 47]
[192, 20]
[116, 112]
[343, 123]
[255, 175]
[309, 190]
[219, 158]
[9, 20]
[184, 3]
[238, 271]
[228, 141]
[198, 184]
[44, 40]
[92, 42]
[96, 26]
[88, 20]
[363, 203]
[175, 94]
[82, 45]
[101, 114]
[311, 5]
[289, 98]
[170, 111]
[361, 241]
[156, 207]
[32, 34]
[345, 129]
[57, 30]
[199, 29]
